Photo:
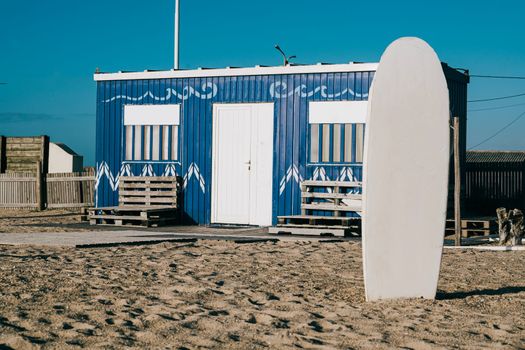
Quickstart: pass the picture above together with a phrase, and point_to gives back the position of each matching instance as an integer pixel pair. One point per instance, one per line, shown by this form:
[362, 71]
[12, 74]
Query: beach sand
[224, 295]
[28, 221]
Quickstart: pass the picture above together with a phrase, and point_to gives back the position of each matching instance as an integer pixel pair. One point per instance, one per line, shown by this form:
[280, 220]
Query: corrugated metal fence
[62, 190]
[493, 184]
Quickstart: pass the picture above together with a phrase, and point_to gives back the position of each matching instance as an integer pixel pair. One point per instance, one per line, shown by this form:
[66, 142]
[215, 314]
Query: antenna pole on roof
[176, 49]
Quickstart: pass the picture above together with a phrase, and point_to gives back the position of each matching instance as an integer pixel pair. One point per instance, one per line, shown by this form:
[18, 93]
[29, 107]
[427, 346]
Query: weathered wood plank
[321, 183]
[346, 218]
[144, 186]
[18, 205]
[151, 208]
[20, 167]
[35, 139]
[149, 179]
[147, 200]
[24, 153]
[330, 207]
[23, 146]
[21, 158]
[125, 193]
[68, 205]
[40, 196]
[315, 226]
[118, 217]
[309, 231]
[17, 179]
[69, 179]
[331, 195]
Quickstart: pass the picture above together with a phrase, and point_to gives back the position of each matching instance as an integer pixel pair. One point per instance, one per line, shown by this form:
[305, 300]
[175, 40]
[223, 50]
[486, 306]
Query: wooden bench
[143, 201]
[336, 197]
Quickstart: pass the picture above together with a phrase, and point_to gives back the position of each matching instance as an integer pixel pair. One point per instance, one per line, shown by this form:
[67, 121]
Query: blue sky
[50, 49]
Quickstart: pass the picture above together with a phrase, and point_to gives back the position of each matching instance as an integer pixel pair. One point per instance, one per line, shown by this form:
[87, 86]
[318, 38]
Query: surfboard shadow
[480, 292]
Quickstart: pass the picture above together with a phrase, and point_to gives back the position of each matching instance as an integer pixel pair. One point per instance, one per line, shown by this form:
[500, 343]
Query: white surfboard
[405, 173]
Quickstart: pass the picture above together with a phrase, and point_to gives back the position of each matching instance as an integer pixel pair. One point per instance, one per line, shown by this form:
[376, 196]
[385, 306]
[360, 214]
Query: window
[151, 132]
[337, 131]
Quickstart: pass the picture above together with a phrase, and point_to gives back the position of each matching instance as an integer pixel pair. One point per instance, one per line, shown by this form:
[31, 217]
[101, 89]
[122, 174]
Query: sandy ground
[22, 220]
[224, 295]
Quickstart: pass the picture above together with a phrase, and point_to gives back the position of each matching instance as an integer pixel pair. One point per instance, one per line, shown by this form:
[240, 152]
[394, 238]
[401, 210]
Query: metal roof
[66, 148]
[231, 71]
[495, 156]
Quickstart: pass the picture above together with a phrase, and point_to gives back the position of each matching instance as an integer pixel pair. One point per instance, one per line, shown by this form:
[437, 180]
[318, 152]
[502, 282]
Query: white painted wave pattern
[280, 90]
[208, 91]
[147, 170]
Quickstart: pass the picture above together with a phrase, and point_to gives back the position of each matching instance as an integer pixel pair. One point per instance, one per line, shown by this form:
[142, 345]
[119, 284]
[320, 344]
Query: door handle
[249, 164]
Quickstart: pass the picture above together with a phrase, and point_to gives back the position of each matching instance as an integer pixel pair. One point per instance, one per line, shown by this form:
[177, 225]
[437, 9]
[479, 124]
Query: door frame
[214, 149]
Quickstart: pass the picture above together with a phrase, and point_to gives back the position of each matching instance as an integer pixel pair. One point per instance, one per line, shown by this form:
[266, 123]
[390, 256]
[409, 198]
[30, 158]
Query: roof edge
[229, 72]
[454, 74]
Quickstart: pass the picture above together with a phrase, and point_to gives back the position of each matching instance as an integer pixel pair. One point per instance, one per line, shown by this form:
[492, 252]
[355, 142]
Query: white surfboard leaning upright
[405, 175]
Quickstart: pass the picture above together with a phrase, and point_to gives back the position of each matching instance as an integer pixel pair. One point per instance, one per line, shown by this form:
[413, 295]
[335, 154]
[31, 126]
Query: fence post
[457, 184]
[39, 187]
[44, 157]
[3, 158]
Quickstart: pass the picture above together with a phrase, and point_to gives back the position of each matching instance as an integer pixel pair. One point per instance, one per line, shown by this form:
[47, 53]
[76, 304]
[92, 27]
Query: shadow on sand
[480, 292]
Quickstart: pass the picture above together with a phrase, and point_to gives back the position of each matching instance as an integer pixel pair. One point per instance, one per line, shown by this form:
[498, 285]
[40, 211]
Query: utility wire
[495, 76]
[499, 131]
[494, 108]
[497, 98]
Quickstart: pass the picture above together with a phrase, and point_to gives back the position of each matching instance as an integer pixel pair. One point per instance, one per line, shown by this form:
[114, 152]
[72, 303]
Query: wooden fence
[62, 190]
[18, 190]
[70, 190]
[20, 154]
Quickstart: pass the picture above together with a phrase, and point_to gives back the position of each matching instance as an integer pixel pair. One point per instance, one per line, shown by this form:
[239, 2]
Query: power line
[499, 131]
[494, 108]
[497, 98]
[496, 76]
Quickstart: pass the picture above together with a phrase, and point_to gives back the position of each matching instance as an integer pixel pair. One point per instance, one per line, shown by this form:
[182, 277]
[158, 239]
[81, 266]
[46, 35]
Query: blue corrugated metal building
[157, 123]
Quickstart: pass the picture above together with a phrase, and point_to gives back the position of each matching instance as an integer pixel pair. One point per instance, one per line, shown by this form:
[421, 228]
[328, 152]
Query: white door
[242, 164]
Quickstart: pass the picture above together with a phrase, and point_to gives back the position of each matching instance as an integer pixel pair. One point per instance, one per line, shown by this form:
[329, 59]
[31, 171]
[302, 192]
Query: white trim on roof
[230, 72]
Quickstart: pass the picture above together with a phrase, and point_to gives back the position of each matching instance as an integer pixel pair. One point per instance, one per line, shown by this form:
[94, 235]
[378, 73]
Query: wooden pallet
[301, 220]
[148, 191]
[143, 201]
[312, 231]
[334, 196]
[337, 197]
[473, 226]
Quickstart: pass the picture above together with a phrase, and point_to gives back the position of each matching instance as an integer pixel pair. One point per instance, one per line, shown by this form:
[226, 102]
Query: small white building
[63, 159]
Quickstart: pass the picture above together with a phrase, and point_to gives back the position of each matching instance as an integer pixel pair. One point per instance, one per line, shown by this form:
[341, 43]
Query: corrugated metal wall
[290, 95]
[490, 185]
